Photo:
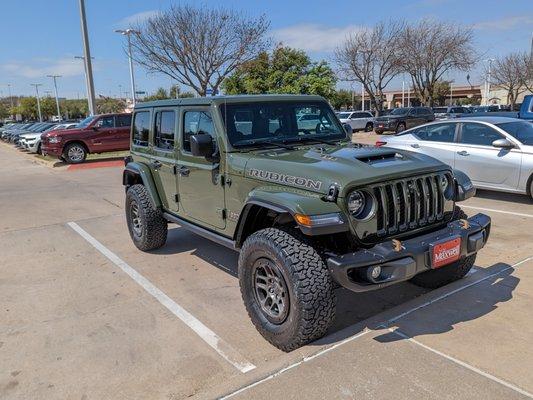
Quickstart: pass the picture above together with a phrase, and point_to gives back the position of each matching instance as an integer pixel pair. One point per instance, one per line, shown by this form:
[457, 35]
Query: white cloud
[39, 68]
[137, 18]
[506, 23]
[314, 37]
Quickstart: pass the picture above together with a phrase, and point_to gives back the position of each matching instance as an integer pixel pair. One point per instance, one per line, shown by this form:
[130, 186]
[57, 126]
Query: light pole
[489, 72]
[36, 85]
[10, 97]
[403, 91]
[87, 60]
[54, 77]
[88, 84]
[362, 97]
[128, 32]
[451, 93]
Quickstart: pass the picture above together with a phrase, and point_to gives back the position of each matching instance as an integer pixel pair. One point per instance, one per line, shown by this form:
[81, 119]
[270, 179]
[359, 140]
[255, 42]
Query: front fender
[464, 189]
[136, 172]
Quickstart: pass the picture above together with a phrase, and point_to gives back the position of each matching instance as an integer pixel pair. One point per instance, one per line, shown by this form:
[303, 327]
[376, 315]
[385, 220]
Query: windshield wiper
[252, 142]
[318, 140]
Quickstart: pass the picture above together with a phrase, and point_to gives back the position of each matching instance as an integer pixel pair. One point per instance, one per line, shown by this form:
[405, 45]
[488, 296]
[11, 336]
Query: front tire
[436, 278]
[74, 153]
[148, 229]
[400, 127]
[369, 127]
[286, 288]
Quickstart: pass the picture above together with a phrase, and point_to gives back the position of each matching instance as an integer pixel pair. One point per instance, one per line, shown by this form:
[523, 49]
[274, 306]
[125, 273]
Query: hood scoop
[381, 158]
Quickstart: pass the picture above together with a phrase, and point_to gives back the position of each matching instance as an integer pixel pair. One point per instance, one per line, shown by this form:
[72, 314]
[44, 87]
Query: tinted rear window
[123, 120]
[141, 128]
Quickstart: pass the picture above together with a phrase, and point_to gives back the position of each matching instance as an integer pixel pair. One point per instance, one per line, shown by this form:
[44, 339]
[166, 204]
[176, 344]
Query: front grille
[408, 204]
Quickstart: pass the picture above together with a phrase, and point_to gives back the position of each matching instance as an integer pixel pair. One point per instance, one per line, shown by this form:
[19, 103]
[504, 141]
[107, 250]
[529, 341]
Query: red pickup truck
[95, 134]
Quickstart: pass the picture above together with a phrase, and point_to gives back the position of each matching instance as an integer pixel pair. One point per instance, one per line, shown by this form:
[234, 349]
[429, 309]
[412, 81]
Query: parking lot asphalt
[85, 315]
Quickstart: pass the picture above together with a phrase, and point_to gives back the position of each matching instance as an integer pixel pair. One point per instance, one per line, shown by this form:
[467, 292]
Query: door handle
[156, 164]
[415, 145]
[463, 153]
[184, 171]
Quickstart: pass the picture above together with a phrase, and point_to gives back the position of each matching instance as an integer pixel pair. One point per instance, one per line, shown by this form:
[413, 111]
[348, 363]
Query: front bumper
[52, 149]
[413, 258]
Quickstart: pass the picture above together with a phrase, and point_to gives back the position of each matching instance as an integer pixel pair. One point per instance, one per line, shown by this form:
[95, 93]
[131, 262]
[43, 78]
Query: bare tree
[198, 46]
[371, 58]
[430, 49]
[511, 74]
[527, 67]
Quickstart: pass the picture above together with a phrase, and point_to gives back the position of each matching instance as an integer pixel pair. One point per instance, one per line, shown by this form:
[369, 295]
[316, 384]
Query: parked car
[38, 127]
[495, 152]
[450, 112]
[18, 127]
[32, 141]
[307, 209]
[95, 134]
[358, 120]
[400, 119]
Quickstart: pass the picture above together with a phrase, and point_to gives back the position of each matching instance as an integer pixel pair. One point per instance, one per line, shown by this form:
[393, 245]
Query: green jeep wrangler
[277, 178]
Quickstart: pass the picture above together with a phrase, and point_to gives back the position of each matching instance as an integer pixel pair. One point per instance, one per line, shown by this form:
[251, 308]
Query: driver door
[103, 137]
[201, 194]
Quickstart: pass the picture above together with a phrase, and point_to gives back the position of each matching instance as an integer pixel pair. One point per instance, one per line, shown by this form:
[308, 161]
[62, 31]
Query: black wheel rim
[270, 290]
[136, 223]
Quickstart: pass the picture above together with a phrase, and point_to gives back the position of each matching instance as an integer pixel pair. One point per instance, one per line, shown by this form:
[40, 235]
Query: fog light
[373, 273]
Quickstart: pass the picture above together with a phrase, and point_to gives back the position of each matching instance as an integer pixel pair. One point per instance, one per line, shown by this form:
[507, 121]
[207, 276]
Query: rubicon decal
[285, 179]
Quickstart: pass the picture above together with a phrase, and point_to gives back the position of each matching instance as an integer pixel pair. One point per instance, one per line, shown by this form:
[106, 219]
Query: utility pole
[54, 77]
[36, 85]
[362, 97]
[489, 73]
[87, 60]
[128, 32]
[86, 80]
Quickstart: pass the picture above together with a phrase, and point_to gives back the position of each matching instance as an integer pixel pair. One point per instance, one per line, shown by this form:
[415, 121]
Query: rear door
[123, 128]
[201, 193]
[163, 159]
[487, 166]
[437, 140]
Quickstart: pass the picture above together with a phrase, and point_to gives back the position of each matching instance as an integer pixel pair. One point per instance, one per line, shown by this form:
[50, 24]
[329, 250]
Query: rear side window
[123, 121]
[196, 122]
[141, 128]
[478, 134]
[165, 123]
[437, 133]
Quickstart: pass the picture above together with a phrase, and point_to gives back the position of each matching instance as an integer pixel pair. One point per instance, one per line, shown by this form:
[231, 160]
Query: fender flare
[464, 189]
[136, 171]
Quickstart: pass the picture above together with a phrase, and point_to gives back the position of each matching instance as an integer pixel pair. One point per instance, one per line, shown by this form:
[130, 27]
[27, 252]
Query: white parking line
[448, 294]
[498, 211]
[463, 364]
[211, 338]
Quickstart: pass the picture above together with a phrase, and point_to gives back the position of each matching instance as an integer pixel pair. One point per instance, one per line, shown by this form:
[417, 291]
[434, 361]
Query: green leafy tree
[342, 98]
[441, 91]
[109, 105]
[286, 70]
[160, 94]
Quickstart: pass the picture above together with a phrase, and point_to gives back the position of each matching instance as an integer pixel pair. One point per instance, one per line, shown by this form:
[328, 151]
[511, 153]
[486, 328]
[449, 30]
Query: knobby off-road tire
[148, 229]
[309, 298]
[439, 277]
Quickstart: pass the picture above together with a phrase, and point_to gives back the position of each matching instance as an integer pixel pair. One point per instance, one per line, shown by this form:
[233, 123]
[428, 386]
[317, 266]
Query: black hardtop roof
[205, 101]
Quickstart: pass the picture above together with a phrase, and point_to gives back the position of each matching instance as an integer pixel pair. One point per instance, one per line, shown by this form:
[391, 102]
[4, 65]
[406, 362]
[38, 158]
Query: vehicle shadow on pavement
[468, 305]
[501, 196]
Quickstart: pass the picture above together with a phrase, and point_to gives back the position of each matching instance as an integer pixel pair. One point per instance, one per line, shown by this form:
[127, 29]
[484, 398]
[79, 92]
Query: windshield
[344, 115]
[249, 124]
[85, 123]
[399, 111]
[521, 130]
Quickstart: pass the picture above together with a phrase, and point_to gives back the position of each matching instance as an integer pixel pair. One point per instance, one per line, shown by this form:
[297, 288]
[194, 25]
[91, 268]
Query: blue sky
[42, 37]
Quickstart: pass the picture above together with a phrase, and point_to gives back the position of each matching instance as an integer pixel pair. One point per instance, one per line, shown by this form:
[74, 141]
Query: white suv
[358, 120]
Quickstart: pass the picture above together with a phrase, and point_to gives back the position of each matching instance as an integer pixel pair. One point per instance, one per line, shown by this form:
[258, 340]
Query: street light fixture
[54, 77]
[128, 32]
[36, 85]
[487, 82]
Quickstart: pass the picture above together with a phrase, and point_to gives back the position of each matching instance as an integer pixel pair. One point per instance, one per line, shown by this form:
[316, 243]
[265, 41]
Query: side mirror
[503, 144]
[95, 128]
[347, 128]
[202, 145]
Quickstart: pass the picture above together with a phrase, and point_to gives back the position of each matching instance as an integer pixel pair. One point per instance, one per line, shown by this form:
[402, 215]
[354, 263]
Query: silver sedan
[495, 152]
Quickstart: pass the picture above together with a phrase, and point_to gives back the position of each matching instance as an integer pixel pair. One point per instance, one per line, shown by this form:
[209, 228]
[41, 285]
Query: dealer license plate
[445, 253]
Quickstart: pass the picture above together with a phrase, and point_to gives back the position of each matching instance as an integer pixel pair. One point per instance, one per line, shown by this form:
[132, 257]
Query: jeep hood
[316, 168]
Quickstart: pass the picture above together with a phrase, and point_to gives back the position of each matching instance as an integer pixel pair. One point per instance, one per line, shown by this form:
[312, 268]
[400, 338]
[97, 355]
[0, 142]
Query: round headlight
[356, 203]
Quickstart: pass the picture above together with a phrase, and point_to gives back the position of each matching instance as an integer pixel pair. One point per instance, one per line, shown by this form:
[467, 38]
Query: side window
[478, 134]
[196, 122]
[165, 123]
[141, 128]
[106, 122]
[437, 133]
[123, 121]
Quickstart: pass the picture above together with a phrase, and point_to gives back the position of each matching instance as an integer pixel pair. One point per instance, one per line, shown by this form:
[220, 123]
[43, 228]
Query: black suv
[400, 119]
